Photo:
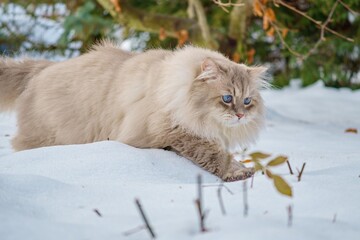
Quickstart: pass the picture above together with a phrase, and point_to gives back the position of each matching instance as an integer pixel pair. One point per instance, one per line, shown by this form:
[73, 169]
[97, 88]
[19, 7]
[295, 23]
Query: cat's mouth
[235, 121]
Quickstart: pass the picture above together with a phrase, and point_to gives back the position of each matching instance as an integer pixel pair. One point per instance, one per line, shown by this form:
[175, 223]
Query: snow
[51, 193]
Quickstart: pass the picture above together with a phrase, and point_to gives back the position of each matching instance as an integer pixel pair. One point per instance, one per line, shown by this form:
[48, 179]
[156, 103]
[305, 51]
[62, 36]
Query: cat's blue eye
[227, 98]
[247, 101]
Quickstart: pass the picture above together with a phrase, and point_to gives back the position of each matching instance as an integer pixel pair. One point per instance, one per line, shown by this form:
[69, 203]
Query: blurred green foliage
[336, 61]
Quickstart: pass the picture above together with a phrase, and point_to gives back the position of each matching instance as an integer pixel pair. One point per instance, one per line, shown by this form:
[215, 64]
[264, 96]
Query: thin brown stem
[224, 6]
[348, 8]
[289, 166]
[301, 172]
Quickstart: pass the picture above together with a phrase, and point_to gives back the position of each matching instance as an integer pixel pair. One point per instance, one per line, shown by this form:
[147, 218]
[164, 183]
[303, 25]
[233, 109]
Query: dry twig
[149, 228]
[322, 25]
[199, 205]
[97, 212]
[289, 166]
[301, 172]
[224, 6]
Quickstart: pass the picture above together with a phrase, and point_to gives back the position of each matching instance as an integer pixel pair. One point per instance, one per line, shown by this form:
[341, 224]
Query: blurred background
[309, 40]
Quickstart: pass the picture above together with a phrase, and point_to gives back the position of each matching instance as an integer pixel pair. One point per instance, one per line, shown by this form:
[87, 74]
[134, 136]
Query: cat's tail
[14, 77]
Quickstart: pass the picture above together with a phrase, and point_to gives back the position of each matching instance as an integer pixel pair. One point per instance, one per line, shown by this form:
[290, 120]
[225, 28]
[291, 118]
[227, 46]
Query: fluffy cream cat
[192, 101]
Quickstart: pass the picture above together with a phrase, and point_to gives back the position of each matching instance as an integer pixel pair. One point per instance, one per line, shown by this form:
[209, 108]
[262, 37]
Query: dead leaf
[351, 130]
[250, 55]
[270, 14]
[162, 34]
[270, 32]
[284, 32]
[277, 161]
[265, 22]
[257, 8]
[183, 36]
[282, 186]
[236, 57]
[117, 6]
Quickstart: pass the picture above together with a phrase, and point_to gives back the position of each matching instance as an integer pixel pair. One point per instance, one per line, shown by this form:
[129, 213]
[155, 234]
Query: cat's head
[228, 93]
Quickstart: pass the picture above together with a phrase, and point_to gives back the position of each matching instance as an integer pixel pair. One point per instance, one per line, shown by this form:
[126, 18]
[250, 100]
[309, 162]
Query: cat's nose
[239, 115]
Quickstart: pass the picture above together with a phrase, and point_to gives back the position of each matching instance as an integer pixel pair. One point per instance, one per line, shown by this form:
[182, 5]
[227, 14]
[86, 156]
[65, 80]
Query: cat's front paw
[238, 174]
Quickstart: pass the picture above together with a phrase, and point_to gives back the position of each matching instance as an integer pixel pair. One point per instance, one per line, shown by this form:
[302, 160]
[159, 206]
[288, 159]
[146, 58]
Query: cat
[193, 101]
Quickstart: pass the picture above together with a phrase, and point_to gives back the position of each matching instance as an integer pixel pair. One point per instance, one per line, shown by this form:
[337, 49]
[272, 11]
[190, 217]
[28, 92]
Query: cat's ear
[260, 76]
[209, 70]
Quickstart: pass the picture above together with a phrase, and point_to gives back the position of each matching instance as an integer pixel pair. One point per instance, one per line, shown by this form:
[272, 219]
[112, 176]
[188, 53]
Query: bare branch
[348, 8]
[224, 6]
[322, 25]
[319, 23]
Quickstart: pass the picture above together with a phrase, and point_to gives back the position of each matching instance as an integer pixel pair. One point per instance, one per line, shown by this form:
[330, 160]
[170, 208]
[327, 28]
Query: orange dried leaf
[265, 22]
[117, 6]
[183, 36]
[162, 34]
[236, 57]
[284, 32]
[257, 9]
[263, 2]
[270, 14]
[250, 56]
[270, 32]
[351, 130]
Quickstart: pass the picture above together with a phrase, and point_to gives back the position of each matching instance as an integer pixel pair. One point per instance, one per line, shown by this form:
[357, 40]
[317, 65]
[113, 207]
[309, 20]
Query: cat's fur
[155, 99]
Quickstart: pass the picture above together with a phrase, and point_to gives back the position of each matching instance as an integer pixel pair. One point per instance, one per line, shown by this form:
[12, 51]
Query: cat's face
[229, 92]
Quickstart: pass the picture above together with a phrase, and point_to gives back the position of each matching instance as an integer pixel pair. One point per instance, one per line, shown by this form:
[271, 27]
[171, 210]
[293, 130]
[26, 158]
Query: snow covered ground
[51, 193]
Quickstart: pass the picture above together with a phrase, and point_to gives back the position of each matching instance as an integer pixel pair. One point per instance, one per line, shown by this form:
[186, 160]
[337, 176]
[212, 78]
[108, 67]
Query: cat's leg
[209, 156]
